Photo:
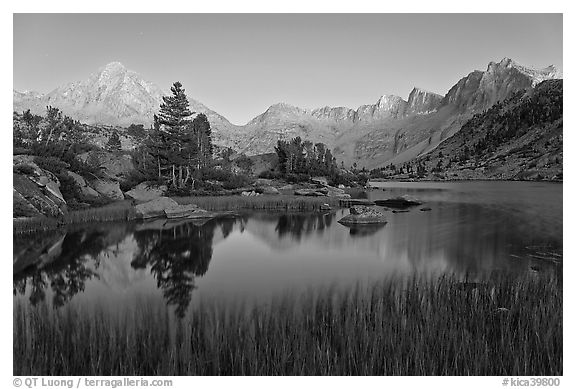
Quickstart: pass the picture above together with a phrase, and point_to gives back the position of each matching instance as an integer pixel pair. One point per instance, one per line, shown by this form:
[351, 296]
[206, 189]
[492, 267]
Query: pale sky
[239, 64]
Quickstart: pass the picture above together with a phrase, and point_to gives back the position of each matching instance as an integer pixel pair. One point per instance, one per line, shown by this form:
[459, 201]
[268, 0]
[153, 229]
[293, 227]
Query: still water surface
[471, 228]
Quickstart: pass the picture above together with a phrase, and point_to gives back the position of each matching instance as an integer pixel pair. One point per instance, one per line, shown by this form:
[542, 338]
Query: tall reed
[420, 326]
[124, 210]
[117, 211]
[263, 202]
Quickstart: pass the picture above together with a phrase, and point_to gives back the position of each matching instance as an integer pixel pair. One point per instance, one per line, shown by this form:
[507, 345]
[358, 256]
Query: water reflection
[365, 230]
[175, 257]
[262, 253]
[62, 264]
[297, 225]
[174, 253]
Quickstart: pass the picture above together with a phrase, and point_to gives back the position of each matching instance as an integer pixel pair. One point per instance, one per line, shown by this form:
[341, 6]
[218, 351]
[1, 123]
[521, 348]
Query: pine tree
[54, 119]
[28, 119]
[282, 152]
[114, 143]
[203, 135]
[320, 156]
[174, 111]
[329, 162]
[174, 120]
[155, 147]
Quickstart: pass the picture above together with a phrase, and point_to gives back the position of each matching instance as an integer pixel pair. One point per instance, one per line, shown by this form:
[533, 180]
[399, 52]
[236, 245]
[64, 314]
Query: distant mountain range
[390, 130]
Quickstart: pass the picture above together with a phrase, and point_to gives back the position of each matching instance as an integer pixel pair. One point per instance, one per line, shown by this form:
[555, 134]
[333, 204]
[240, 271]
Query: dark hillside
[518, 138]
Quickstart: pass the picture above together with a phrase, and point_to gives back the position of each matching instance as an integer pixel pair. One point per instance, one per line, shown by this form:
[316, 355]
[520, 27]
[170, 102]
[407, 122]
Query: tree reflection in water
[455, 237]
[176, 256]
[302, 224]
[66, 272]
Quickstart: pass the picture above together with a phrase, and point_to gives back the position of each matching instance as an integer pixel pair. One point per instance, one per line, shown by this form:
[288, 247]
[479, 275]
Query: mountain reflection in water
[260, 254]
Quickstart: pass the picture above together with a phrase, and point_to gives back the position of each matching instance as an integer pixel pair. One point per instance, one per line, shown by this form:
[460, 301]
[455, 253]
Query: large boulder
[114, 165]
[363, 210]
[36, 191]
[33, 199]
[268, 190]
[108, 188]
[310, 192]
[180, 211]
[399, 202]
[249, 193]
[146, 191]
[86, 190]
[155, 208]
[336, 192]
[42, 178]
[351, 202]
[361, 214]
[320, 180]
[187, 212]
[23, 161]
[53, 187]
[166, 207]
[264, 182]
[22, 207]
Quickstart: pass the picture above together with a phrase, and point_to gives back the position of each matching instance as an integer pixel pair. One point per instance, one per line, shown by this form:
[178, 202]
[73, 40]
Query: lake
[472, 228]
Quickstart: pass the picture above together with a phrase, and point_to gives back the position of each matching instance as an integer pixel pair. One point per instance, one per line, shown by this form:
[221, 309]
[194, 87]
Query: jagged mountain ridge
[392, 129]
[520, 137]
[327, 124]
[422, 101]
[480, 90]
[474, 93]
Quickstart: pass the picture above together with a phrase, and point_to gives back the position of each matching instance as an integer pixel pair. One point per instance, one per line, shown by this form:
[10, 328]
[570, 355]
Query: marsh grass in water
[264, 202]
[118, 211]
[416, 326]
[124, 210]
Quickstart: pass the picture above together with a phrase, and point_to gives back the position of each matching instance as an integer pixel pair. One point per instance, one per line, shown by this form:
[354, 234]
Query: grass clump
[263, 202]
[116, 211]
[124, 210]
[420, 326]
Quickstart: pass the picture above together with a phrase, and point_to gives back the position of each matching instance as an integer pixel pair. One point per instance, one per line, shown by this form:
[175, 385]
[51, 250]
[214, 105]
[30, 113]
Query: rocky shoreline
[204, 207]
[36, 192]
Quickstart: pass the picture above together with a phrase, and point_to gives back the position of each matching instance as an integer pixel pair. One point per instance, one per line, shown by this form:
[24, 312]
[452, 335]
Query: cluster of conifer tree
[415, 168]
[54, 127]
[178, 147]
[297, 157]
[299, 160]
[54, 140]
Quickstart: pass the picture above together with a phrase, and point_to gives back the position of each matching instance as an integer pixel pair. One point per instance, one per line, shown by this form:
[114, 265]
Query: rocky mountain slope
[113, 96]
[392, 130]
[518, 138]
